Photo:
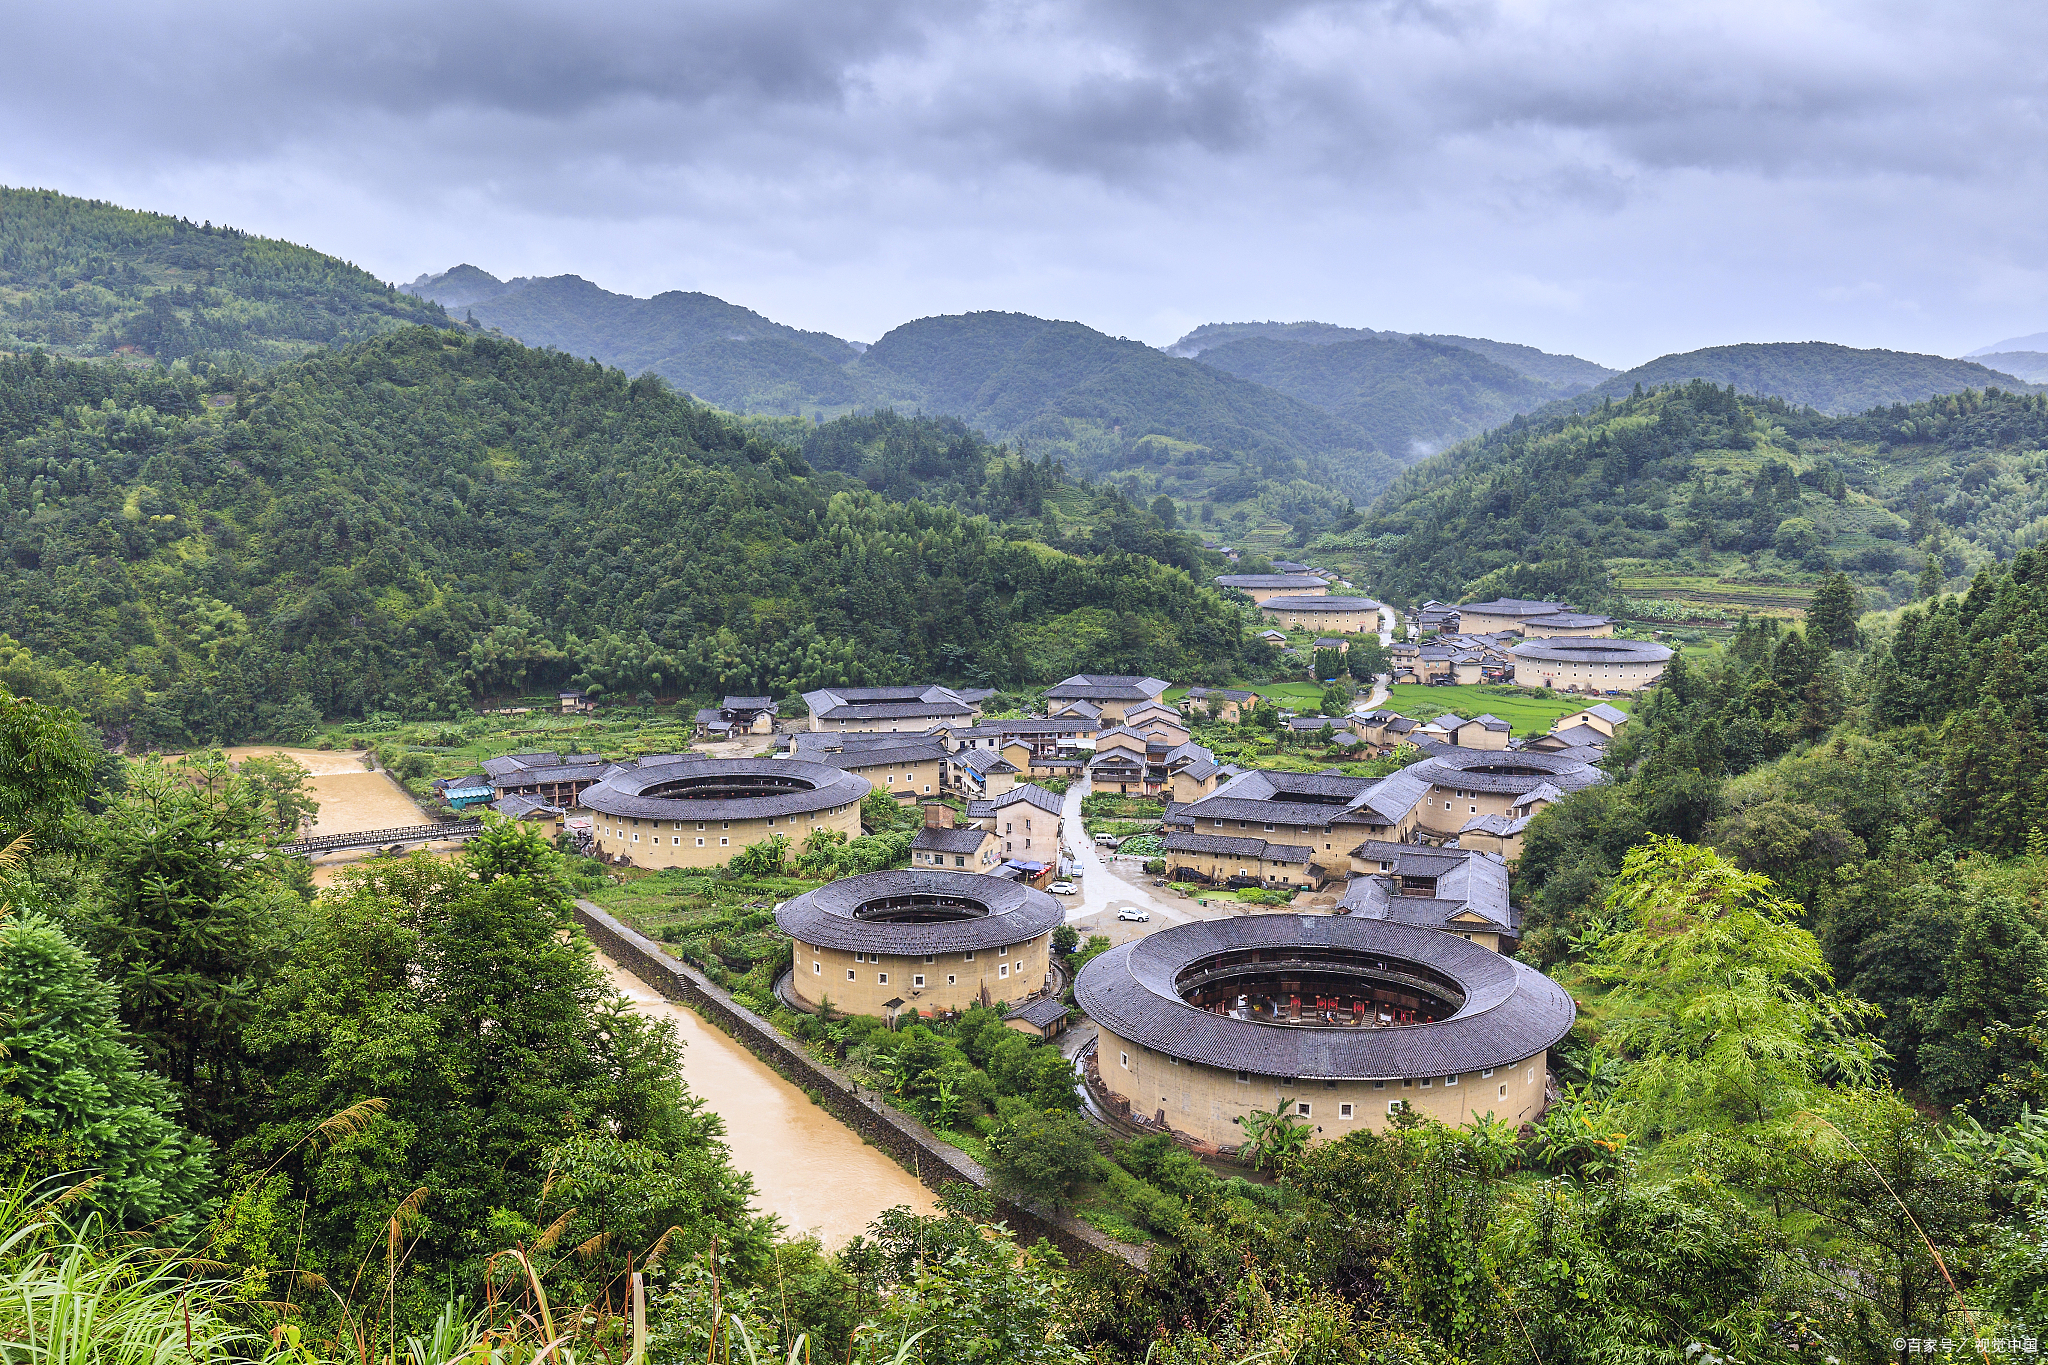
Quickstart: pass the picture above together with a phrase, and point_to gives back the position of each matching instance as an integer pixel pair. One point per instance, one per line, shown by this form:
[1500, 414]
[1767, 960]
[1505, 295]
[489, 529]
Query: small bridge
[316, 844]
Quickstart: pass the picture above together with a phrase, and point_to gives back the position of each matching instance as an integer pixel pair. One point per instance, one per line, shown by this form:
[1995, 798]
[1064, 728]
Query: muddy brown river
[809, 1169]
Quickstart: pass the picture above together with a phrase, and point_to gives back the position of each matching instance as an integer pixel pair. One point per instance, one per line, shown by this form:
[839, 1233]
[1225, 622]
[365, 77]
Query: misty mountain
[1106, 403]
[1818, 374]
[2031, 366]
[1407, 394]
[1568, 372]
[2037, 342]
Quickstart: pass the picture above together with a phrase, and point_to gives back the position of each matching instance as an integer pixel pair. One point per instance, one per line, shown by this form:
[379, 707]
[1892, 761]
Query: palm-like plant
[1274, 1135]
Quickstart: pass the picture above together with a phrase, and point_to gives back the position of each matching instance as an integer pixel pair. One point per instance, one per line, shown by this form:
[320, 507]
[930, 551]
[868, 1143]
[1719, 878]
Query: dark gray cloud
[1602, 176]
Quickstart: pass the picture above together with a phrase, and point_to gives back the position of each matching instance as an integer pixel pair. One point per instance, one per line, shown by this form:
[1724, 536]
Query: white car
[1134, 916]
[1063, 889]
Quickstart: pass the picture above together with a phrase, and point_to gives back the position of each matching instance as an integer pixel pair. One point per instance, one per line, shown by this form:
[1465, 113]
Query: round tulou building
[1580, 664]
[699, 812]
[931, 941]
[1340, 1020]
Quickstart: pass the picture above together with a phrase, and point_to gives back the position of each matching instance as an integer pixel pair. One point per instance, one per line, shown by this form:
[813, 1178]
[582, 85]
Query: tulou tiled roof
[635, 792]
[830, 916]
[1510, 1012]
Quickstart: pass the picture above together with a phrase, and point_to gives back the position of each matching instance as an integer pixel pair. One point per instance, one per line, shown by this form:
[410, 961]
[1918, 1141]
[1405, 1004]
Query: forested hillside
[83, 278]
[1818, 374]
[1568, 373]
[1407, 395]
[434, 517]
[1698, 479]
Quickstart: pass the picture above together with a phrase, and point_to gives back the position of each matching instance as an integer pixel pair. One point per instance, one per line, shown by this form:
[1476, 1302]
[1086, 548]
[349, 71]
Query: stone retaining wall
[913, 1145]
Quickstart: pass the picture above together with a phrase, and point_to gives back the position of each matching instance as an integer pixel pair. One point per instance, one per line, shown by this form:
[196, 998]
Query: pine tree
[1832, 614]
[70, 1085]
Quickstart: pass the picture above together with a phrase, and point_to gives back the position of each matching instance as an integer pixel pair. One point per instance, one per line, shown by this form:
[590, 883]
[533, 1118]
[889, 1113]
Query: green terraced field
[1528, 715]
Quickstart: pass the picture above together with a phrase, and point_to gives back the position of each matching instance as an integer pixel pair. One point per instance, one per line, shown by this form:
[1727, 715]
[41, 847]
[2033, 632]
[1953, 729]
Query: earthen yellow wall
[1326, 622]
[903, 780]
[1437, 820]
[1202, 1101]
[1601, 677]
[1603, 632]
[705, 843]
[1261, 594]
[1222, 867]
[1027, 832]
[952, 981]
[1481, 623]
[907, 725]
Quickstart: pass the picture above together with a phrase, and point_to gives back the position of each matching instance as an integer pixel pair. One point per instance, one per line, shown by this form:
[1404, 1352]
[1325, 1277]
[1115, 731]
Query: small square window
[700, 843]
[849, 973]
[1487, 1074]
[1450, 1080]
[917, 980]
[700, 825]
[931, 957]
[1343, 1111]
[1503, 1092]
[1428, 1081]
[1124, 1060]
[722, 842]
[1379, 1085]
[952, 980]
[881, 978]
[817, 968]
[1301, 1109]
[1329, 1085]
[1005, 971]
[1244, 1078]
[967, 957]
[1002, 952]
[1407, 1082]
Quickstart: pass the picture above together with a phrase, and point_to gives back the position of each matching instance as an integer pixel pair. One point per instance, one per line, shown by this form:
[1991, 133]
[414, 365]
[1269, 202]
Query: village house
[1046, 736]
[1329, 615]
[1383, 730]
[1274, 638]
[1435, 616]
[1504, 613]
[1593, 728]
[1044, 1018]
[544, 817]
[573, 702]
[1027, 819]
[941, 842]
[1199, 776]
[1457, 890]
[1114, 693]
[1032, 765]
[1222, 860]
[1261, 586]
[1501, 835]
[1225, 705]
[982, 772]
[1482, 732]
[551, 778]
[908, 767]
[913, 709]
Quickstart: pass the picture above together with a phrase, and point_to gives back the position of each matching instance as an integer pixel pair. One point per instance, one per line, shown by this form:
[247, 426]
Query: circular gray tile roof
[1505, 770]
[792, 787]
[837, 914]
[1589, 650]
[1510, 1011]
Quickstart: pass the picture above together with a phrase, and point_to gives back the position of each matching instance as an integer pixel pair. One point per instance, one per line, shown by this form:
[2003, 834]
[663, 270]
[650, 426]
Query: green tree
[1724, 1006]
[47, 761]
[1832, 613]
[1990, 989]
[187, 918]
[1041, 1157]
[72, 1091]
[1369, 658]
[1337, 698]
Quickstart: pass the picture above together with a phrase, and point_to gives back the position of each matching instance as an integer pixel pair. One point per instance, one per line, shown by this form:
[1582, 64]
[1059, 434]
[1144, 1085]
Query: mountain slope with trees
[1567, 373]
[80, 277]
[1408, 395]
[1697, 479]
[1818, 374]
[436, 516]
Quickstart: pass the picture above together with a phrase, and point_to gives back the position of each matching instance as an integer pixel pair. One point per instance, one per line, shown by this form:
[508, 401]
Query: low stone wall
[913, 1145]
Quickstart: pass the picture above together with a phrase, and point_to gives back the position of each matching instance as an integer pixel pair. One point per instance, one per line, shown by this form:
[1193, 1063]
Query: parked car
[1134, 916]
[1063, 889]
[1107, 840]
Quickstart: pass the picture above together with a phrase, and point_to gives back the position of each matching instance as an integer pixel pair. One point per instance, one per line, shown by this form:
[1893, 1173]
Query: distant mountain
[2037, 342]
[1107, 402]
[728, 356]
[85, 278]
[2031, 366]
[1818, 374]
[1408, 395]
[1567, 372]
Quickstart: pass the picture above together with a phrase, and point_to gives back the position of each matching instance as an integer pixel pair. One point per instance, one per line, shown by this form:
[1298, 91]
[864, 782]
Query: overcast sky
[1614, 178]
